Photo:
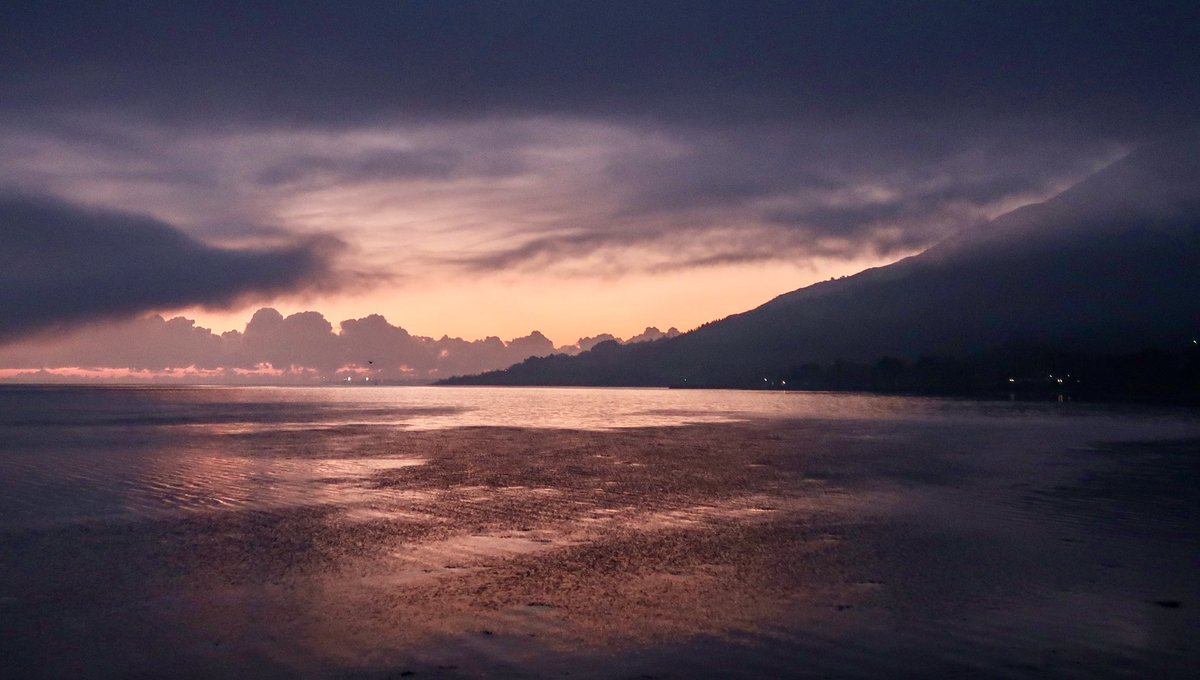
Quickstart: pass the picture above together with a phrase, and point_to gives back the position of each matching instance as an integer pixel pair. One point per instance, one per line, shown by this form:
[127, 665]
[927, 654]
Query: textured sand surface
[774, 548]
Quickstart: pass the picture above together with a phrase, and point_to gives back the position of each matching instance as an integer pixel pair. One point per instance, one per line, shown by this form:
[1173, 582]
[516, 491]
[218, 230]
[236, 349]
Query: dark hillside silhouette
[1108, 268]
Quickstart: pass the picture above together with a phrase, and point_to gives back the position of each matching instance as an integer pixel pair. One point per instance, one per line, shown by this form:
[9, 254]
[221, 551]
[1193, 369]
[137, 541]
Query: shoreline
[745, 549]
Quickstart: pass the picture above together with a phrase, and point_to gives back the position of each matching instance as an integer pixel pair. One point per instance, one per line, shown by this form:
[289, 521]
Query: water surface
[447, 532]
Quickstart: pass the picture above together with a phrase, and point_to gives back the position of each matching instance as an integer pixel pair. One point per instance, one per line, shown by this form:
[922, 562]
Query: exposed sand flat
[773, 548]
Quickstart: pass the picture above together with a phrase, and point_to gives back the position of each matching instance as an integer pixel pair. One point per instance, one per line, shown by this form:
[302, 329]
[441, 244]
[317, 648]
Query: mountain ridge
[1111, 264]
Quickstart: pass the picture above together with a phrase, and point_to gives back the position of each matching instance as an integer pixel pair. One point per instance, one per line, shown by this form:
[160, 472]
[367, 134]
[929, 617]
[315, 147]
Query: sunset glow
[657, 180]
[715, 340]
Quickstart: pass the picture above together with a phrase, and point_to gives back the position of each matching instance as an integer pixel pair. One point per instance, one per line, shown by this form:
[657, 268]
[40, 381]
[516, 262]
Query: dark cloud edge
[62, 265]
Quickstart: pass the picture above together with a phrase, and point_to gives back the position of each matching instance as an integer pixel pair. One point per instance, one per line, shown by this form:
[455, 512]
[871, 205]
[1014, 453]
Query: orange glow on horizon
[511, 305]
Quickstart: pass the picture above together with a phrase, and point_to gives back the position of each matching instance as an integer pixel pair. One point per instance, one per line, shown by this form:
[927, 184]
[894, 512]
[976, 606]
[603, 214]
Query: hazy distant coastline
[1151, 375]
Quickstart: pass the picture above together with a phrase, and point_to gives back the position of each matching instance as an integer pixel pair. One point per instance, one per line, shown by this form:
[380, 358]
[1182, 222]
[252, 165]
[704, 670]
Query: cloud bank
[452, 142]
[273, 348]
[332, 63]
[62, 265]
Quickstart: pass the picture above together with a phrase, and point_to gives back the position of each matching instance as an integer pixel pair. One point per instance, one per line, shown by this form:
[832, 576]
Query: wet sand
[772, 548]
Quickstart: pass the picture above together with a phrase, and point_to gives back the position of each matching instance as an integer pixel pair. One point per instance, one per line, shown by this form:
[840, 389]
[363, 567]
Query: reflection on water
[476, 531]
[239, 409]
[75, 452]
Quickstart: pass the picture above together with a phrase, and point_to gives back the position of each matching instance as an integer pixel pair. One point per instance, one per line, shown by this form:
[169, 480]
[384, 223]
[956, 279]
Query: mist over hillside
[1109, 266]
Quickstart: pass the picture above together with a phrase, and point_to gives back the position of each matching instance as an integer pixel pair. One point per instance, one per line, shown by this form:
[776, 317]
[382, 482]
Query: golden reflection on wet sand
[767, 547]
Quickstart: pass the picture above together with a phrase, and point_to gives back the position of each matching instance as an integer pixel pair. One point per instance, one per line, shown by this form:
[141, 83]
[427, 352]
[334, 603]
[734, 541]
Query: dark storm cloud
[62, 264]
[1112, 63]
[820, 128]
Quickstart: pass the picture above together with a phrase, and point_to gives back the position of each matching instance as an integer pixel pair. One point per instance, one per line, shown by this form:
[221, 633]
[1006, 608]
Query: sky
[488, 169]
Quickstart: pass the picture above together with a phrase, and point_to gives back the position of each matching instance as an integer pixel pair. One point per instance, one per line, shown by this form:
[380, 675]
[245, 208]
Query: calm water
[75, 452]
[47, 408]
[246, 531]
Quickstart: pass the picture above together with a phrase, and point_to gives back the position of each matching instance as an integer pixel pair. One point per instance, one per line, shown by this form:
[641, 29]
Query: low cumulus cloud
[62, 265]
[301, 347]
